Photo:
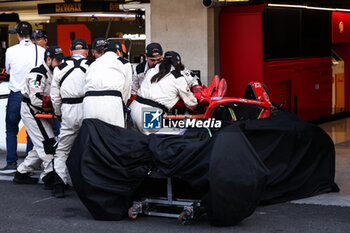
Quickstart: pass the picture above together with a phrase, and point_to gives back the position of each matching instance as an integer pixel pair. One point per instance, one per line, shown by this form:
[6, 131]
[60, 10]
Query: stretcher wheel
[134, 210]
[185, 215]
[132, 213]
[182, 217]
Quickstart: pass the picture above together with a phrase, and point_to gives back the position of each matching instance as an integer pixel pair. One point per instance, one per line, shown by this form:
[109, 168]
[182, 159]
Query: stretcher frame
[256, 95]
[188, 206]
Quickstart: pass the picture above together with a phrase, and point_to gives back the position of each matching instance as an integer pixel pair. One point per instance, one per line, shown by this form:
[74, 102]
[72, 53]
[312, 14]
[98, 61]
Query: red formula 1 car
[255, 104]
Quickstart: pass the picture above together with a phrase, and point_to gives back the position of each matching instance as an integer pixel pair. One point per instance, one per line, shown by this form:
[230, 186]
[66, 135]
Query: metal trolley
[255, 105]
[188, 209]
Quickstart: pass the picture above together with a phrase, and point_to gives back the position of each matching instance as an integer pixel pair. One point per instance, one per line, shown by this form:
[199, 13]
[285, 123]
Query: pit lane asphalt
[29, 208]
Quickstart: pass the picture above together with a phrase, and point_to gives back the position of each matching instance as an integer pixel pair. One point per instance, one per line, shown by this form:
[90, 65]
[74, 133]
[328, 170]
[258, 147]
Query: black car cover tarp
[299, 155]
[271, 160]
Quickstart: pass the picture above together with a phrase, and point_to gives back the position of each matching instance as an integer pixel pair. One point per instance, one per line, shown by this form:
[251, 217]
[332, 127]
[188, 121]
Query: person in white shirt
[161, 89]
[20, 59]
[154, 55]
[67, 94]
[36, 97]
[108, 86]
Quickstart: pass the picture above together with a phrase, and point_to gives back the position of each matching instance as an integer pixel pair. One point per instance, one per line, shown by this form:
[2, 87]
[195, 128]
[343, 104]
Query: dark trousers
[13, 117]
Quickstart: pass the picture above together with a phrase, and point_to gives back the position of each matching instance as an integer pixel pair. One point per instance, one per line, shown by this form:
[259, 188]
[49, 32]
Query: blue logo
[152, 119]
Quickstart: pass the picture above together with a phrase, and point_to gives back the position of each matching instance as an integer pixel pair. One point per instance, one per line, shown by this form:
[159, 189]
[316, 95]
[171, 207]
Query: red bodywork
[258, 100]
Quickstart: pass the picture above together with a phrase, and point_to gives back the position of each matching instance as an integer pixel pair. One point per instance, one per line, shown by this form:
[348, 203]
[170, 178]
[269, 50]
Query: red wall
[309, 80]
[338, 35]
[241, 47]
[311, 85]
[64, 35]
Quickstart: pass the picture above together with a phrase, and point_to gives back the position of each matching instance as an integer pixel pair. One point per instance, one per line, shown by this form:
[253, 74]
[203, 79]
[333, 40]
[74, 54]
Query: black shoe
[59, 187]
[58, 190]
[24, 179]
[10, 168]
[49, 180]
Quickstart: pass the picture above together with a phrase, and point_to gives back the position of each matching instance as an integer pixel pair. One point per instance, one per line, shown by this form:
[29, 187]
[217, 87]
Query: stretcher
[45, 116]
[254, 105]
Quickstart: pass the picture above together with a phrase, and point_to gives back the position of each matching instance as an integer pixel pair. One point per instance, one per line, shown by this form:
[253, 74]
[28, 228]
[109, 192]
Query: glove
[46, 102]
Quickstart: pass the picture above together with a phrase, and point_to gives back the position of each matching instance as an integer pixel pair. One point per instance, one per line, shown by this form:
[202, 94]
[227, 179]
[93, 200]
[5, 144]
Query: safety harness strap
[76, 65]
[151, 103]
[77, 100]
[102, 93]
[27, 100]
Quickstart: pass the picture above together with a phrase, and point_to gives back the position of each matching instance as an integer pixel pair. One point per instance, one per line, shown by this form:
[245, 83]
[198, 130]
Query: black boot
[24, 179]
[58, 188]
[49, 180]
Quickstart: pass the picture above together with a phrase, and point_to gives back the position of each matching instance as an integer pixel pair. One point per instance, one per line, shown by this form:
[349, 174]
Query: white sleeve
[36, 87]
[191, 80]
[55, 92]
[7, 61]
[136, 81]
[185, 93]
[128, 83]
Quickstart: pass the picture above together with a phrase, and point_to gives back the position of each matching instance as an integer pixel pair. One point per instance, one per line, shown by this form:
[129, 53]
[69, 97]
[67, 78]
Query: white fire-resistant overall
[166, 92]
[142, 69]
[138, 76]
[105, 78]
[37, 85]
[67, 93]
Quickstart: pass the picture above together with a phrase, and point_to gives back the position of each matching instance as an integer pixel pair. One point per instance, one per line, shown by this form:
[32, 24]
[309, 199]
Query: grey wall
[187, 27]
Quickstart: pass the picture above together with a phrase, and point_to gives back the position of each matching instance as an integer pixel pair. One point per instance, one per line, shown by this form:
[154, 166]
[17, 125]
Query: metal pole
[108, 27]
